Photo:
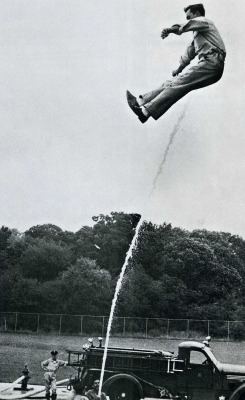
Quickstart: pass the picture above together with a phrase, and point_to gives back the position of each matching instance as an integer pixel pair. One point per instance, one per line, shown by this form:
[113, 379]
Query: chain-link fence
[64, 324]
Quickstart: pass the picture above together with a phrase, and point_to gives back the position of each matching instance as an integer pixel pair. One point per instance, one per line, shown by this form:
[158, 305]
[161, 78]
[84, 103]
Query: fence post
[38, 318]
[16, 318]
[60, 324]
[188, 328]
[228, 331]
[81, 325]
[5, 322]
[124, 326]
[168, 329]
[146, 328]
[103, 326]
[208, 328]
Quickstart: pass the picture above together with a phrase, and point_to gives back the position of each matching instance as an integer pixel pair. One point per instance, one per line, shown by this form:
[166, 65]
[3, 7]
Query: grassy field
[18, 349]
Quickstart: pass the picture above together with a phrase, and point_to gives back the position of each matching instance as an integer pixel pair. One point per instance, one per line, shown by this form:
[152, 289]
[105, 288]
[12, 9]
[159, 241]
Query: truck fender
[117, 377]
[236, 394]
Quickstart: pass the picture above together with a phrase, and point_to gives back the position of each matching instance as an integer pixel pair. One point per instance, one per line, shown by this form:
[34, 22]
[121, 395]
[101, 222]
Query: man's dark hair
[196, 8]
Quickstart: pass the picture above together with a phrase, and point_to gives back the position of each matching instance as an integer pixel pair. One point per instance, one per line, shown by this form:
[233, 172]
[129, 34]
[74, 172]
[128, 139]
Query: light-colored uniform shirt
[51, 365]
[206, 39]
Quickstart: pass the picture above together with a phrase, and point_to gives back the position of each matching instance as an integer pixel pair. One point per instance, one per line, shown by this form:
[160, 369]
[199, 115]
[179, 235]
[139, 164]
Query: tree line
[173, 273]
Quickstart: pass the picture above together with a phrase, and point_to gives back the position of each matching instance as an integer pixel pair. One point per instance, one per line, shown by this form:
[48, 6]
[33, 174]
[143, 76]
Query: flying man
[207, 44]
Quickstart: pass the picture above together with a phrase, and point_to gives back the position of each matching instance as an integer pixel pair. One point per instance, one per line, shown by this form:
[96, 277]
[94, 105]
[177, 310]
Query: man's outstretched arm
[199, 24]
[167, 31]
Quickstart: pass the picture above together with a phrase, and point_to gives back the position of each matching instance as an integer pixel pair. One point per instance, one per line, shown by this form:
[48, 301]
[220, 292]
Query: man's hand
[177, 71]
[165, 33]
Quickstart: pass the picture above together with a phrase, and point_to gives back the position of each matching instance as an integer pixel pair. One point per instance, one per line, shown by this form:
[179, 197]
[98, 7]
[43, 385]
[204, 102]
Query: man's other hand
[177, 71]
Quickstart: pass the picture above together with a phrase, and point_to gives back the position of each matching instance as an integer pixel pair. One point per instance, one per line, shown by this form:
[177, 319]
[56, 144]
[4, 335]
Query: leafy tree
[85, 288]
[44, 260]
[108, 241]
[152, 241]
[45, 231]
[51, 232]
[134, 298]
[186, 273]
[84, 245]
[5, 234]
[16, 246]
[19, 293]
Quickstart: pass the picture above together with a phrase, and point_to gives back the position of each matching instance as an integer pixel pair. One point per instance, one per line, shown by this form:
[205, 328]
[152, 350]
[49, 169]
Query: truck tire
[240, 397]
[123, 389]
[239, 393]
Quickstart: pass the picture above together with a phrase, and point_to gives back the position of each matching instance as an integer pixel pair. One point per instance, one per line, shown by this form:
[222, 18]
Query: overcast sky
[70, 146]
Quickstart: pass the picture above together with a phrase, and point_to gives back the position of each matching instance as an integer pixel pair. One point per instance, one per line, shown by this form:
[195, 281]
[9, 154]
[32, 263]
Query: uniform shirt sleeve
[176, 28]
[189, 55]
[199, 24]
[44, 363]
[61, 363]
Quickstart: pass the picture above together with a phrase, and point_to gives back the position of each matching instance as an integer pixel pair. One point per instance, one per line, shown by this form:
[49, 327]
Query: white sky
[70, 146]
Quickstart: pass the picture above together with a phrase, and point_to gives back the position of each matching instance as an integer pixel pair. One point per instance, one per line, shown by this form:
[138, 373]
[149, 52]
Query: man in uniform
[207, 44]
[51, 366]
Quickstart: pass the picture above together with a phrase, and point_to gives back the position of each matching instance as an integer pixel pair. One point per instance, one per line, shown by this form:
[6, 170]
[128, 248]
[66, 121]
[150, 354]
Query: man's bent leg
[204, 74]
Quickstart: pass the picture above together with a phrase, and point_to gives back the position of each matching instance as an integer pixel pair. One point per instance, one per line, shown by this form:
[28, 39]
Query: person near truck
[92, 394]
[51, 365]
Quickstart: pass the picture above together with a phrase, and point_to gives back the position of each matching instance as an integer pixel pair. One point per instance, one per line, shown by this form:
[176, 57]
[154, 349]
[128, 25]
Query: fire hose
[28, 394]
[13, 384]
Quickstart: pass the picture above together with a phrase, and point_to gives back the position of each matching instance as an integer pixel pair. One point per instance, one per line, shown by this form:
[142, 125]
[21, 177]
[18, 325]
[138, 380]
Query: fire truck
[134, 374]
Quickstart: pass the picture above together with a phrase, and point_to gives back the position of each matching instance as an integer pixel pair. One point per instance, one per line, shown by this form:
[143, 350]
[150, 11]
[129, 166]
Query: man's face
[54, 358]
[96, 385]
[190, 15]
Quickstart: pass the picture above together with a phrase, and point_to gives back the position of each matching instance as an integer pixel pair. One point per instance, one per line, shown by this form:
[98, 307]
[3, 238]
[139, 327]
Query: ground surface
[62, 392]
[18, 349]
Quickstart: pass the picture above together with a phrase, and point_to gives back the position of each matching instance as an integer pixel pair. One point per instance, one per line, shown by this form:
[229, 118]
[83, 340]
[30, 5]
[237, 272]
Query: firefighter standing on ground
[207, 44]
[51, 366]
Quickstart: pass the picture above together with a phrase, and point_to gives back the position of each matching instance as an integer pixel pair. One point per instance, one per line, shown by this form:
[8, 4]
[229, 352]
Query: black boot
[47, 396]
[54, 396]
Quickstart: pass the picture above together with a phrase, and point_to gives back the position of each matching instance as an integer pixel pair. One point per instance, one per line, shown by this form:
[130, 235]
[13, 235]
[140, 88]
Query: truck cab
[133, 374]
[201, 377]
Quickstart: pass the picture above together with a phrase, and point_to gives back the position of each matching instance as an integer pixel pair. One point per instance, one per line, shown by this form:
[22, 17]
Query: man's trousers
[50, 382]
[208, 71]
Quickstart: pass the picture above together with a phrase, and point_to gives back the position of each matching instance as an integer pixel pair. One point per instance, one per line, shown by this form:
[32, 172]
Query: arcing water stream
[114, 302]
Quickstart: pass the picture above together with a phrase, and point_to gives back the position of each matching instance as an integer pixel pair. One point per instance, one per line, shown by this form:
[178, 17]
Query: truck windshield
[203, 356]
[197, 357]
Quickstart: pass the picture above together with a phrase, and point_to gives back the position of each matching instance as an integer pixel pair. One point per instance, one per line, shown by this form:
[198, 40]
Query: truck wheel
[123, 389]
[238, 394]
